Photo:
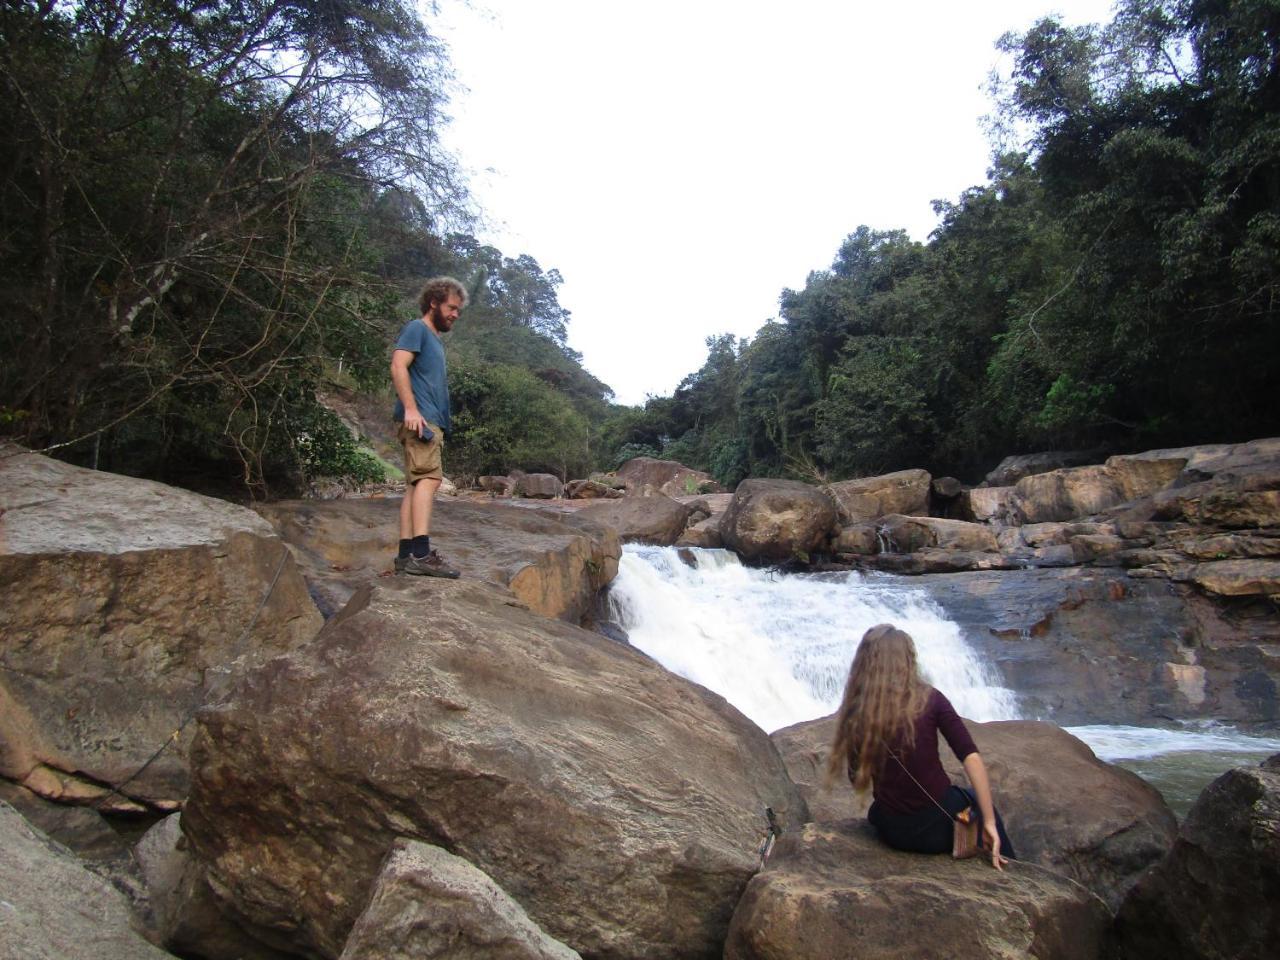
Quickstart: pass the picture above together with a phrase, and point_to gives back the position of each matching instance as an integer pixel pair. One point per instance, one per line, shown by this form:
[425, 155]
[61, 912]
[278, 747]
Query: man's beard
[438, 320]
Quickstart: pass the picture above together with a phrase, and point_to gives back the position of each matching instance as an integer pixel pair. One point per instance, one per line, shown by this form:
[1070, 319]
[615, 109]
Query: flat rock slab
[52, 908]
[127, 603]
[553, 561]
[430, 905]
[620, 805]
[834, 890]
[51, 507]
[1088, 645]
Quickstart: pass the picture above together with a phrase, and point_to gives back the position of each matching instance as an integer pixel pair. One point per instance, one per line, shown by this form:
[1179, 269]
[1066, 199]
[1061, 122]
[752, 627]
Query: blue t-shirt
[427, 375]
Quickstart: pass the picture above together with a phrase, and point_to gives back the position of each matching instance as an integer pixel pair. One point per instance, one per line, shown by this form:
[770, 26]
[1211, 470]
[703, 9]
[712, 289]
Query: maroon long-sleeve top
[892, 787]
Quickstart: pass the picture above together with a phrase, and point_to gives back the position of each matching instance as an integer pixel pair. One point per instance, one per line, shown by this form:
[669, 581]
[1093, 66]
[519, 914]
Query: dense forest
[214, 214]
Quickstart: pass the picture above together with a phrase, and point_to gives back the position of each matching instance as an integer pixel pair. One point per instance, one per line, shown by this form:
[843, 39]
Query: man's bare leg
[424, 496]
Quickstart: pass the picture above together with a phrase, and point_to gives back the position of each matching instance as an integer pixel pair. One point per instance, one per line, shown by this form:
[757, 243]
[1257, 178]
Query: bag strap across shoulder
[923, 790]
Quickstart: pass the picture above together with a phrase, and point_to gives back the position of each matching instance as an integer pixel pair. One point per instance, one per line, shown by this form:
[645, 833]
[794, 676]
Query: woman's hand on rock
[992, 837]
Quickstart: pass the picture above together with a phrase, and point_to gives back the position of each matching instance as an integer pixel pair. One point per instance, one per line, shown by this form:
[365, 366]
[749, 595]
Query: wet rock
[1217, 894]
[1088, 644]
[704, 533]
[51, 906]
[618, 804]
[126, 603]
[668, 477]
[929, 560]
[833, 890]
[861, 539]
[658, 520]
[539, 486]
[1064, 809]
[778, 520]
[906, 492]
[555, 563]
[429, 903]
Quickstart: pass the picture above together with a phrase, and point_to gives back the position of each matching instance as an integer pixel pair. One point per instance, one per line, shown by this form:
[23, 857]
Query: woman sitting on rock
[887, 738]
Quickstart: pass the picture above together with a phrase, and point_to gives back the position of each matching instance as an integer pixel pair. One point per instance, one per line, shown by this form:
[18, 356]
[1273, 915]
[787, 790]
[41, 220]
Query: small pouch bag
[965, 839]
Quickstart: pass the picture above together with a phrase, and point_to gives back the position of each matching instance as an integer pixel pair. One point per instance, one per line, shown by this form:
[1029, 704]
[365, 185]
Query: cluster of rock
[1208, 515]
[456, 769]
[642, 476]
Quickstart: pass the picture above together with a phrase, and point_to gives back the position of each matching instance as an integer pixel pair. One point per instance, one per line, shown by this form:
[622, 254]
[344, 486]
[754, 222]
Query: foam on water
[779, 647]
[1141, 743]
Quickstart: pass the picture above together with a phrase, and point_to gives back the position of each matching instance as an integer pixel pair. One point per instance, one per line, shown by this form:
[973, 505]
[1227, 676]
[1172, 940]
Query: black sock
[421, 546]
[405, 546]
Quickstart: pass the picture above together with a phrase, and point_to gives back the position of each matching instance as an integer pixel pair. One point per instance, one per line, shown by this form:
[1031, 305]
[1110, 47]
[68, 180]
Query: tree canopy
[1113, 285]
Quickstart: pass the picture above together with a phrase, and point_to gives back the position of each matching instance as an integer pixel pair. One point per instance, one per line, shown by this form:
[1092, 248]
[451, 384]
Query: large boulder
[704, 522]
[87, 834]
[1238, 578]
[590, 490]
[778, 520]
[539, 486]
[908, 534]
[834, 890]
[645, 475]
[906, 491]
[183, 911]
[126, 602]
[1216, 896]
[987, 504]
[658, 519]
[52, 907]
[429, 903]
[618, 804]
[1068, 494]
[1064, 808]
[555, 563]
[1142, 474]
[1013, 468]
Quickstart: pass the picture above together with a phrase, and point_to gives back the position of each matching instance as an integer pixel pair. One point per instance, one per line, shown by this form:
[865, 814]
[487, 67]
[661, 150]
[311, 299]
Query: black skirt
[928, 830]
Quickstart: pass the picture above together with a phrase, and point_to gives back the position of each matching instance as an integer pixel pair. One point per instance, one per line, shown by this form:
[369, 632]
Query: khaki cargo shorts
[423, 456]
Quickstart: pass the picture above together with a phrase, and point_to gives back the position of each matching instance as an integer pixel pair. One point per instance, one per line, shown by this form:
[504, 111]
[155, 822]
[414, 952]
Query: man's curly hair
[437, 290]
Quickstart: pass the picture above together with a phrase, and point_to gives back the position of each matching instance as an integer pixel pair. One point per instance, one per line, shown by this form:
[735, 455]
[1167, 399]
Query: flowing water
[778, 647]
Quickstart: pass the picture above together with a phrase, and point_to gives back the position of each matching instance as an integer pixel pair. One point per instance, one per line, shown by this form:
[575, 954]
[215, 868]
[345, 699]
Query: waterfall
[779, 647]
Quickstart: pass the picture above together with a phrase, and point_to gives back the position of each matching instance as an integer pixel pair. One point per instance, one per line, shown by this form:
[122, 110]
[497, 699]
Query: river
[778, 647]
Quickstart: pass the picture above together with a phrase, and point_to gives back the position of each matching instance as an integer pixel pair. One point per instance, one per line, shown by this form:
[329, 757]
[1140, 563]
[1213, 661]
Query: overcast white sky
[680, 163]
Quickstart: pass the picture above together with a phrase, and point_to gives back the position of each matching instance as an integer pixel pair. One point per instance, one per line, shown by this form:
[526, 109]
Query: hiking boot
[432, 565]
[400, 562]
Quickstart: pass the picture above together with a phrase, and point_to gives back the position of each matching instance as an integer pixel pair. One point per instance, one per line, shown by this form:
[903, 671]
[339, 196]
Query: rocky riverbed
[345, 746]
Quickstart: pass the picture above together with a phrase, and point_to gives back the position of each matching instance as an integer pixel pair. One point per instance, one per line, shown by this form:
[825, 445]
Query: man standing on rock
[422, 420]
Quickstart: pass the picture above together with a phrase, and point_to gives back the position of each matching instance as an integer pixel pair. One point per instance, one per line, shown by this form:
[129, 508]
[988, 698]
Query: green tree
[185, 209]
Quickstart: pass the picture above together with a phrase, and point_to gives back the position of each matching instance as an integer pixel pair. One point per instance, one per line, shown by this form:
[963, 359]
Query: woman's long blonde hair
[882, 699]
